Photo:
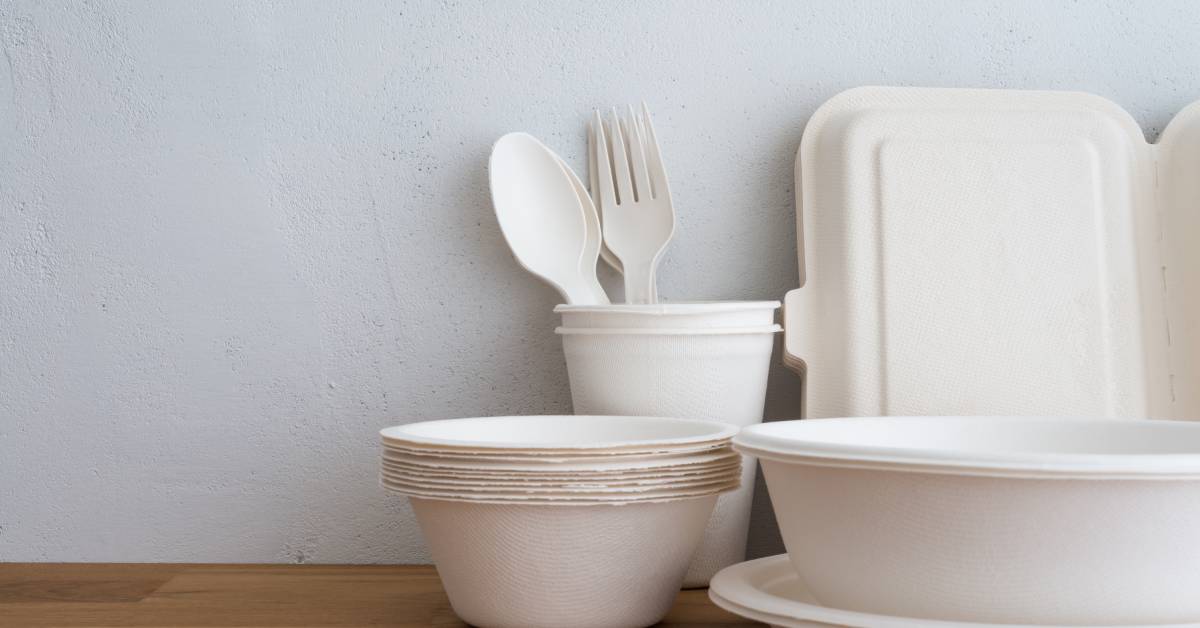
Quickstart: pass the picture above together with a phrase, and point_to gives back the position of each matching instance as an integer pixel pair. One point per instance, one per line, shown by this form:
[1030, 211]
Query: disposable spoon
[542, 217]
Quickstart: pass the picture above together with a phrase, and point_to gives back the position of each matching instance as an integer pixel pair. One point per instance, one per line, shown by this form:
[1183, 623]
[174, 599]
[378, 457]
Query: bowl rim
[759, 440]
[714, 431]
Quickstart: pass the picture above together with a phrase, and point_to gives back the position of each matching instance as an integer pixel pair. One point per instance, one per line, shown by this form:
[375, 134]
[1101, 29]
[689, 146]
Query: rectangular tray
[994, 252]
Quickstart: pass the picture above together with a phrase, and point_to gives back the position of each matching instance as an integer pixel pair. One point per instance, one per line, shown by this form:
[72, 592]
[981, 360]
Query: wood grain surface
[245, 596]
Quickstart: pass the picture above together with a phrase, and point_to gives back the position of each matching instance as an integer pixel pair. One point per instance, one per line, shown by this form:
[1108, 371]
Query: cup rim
[688, 308]
[668, 331]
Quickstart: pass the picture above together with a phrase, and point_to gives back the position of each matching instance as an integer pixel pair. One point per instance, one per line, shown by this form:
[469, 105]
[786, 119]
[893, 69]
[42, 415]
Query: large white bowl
[990, 519]
[699, 314]
[530, 566]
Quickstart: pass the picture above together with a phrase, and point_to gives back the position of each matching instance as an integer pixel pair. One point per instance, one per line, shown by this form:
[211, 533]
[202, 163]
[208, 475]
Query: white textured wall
[238, 238]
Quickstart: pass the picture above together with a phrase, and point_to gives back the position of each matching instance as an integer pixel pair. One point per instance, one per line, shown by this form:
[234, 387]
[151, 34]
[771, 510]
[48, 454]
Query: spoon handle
[585, 293]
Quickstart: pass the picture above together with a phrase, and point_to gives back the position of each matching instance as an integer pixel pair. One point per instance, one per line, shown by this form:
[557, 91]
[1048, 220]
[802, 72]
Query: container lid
[1035, 237]
[1043, 447]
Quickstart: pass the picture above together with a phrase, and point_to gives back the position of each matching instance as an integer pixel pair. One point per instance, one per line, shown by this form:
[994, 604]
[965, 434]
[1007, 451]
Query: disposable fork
[634, 198]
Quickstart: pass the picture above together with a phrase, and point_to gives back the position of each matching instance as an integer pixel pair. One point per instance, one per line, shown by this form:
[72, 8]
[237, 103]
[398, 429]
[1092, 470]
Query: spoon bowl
[542, 218]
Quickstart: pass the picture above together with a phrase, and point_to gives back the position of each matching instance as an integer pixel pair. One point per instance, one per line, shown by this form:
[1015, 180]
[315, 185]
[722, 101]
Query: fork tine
[654, 164]
[637, 158]
[620, 160]
[604, 192]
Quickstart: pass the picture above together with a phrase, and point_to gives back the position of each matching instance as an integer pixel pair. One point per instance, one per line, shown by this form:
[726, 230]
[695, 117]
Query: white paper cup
[529, 566]
[698, 314]
[718, 374]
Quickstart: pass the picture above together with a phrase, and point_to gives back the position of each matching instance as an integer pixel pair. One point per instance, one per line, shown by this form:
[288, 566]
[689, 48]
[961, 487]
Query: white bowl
[670, 315]
[990, 519]
[599, 496]
[553, 475]
[555, 434]
[568, 486]
[574, 465]
[531, 566]
[529, 455]
[610, 480]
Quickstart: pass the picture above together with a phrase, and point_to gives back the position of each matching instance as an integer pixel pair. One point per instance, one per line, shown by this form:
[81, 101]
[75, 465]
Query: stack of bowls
[561, 520]
[702, 360]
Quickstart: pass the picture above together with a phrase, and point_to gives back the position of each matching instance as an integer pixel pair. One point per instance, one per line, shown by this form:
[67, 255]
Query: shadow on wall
[783, 403]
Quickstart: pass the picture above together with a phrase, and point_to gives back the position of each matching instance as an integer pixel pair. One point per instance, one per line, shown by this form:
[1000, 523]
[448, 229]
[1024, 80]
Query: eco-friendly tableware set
[963, 252]
[561, 520]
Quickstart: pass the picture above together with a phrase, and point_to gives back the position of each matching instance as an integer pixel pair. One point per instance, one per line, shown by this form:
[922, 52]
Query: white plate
[768, 590]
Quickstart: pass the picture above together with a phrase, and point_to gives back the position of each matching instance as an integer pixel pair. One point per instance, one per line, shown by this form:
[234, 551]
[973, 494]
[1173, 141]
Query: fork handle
[639, 282]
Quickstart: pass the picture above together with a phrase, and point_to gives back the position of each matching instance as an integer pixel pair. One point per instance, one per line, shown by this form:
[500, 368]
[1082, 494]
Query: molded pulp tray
[990, 519]
[995, 252]
[768, 590]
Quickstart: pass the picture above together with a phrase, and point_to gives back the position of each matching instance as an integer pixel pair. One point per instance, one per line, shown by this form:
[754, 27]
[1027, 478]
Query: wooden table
[94, 595]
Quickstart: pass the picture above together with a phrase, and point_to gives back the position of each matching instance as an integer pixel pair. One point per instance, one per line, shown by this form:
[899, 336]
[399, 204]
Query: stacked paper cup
[561, 520]
[696, 360]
